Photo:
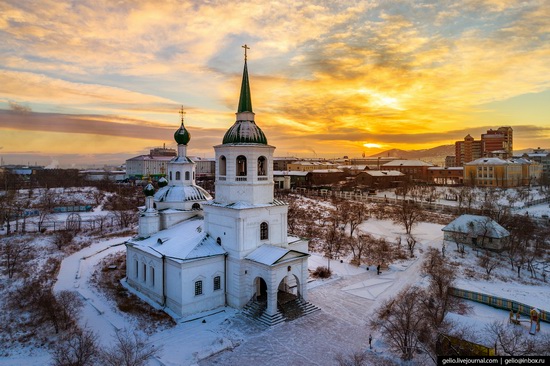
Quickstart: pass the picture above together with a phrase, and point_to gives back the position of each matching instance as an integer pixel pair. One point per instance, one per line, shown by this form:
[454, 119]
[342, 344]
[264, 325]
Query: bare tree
[407, 214]
[46, 206]
[353, 214]
[438, 301]
[521, 233]
[129, 349]
[332, 238]
[359, 245]
[14, 252]
[488, 262]
[401, 321]
[512, 340]
[63, 238]
[411, 244]
[76, 348]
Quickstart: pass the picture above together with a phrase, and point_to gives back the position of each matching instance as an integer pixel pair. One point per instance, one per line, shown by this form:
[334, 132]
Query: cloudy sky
[102, 80]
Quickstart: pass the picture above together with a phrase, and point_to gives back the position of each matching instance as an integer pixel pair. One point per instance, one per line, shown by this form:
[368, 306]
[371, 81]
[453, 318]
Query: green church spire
[245, 101]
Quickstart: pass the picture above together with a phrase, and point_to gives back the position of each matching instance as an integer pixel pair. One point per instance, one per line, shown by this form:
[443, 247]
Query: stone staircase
[287, 311]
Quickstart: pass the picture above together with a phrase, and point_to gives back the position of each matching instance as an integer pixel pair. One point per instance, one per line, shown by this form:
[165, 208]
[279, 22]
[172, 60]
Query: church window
[178, 175]
[193, 175]
[262, 164]
[198, 288]
[219, 241]
[196, 206]
[217, 283]
[152, 276]
[170, 175]
[137, 269]
[223, 165]
[264, 231]
[144, 272]
[241, 165]
[186, 175]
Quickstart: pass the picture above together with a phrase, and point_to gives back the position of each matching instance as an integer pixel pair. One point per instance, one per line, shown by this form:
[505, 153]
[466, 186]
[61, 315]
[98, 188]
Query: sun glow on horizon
[370, 145]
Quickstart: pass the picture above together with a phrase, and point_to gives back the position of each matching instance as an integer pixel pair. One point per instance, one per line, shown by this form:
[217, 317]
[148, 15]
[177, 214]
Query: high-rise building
[497, 143]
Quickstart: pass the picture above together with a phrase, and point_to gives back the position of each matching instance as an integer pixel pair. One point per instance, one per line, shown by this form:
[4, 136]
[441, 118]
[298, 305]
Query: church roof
[182, 136]
[183, 241]
[181, 160]
[241, 204]
[245, 99]
[245, 130]
[270, 255]
[182, 194]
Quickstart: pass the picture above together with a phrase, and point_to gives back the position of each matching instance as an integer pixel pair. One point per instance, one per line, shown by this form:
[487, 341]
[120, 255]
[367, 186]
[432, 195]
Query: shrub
[322, 272]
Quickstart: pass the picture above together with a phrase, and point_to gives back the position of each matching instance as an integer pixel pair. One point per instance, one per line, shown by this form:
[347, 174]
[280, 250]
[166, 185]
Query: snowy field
[347, 301]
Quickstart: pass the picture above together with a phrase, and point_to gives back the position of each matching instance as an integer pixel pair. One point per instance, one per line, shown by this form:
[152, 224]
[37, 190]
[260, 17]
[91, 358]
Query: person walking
[370, 341]
[378, 269]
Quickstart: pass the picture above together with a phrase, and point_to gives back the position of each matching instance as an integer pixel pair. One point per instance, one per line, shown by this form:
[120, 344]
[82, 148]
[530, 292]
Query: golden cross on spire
[245, 48]
[182, 112]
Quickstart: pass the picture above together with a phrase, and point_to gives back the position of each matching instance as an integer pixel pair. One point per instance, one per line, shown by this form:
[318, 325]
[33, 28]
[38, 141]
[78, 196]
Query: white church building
[195, 253]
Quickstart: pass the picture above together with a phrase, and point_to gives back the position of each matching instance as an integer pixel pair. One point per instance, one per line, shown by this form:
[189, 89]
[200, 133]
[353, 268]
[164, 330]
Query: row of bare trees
[412, 320]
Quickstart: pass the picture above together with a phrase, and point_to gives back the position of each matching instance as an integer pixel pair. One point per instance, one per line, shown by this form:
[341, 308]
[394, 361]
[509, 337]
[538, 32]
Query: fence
[499, 302]
[55, 225]
[359, 196]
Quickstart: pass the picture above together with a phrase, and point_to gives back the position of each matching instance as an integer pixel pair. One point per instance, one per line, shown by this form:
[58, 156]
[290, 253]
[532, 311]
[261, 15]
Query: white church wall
[239, 230]
[238, 289]
[173, 217]
[150, 283]
[173, 286]
[205, 270]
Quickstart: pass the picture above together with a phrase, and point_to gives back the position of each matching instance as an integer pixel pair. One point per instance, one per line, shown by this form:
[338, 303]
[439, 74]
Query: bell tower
[244, 161]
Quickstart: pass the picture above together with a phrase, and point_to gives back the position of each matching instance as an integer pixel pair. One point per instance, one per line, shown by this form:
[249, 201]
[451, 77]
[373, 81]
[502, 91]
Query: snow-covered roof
[326, 171]
[183, 241]
[488, 161]
[478, 225]
[278, 173]
[151, 157]
[383, 173]
[407, 163]
[446, 168]
[181, 160]
[182, 194]
[270, 255]
[353, 167]
[242, 204]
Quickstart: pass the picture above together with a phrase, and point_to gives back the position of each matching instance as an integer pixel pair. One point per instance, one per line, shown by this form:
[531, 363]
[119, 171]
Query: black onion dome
[162, 182]
[149, 190]
[182, 136]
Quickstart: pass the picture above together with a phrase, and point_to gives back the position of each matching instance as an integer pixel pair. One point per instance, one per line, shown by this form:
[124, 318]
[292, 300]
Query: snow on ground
[347, 301]
[74, 275]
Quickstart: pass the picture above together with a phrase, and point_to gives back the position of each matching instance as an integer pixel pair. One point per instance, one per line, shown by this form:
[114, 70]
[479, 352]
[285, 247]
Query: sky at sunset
[99, 81]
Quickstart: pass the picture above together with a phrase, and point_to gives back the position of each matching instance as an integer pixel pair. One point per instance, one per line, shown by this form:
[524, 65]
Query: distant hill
[435, 155]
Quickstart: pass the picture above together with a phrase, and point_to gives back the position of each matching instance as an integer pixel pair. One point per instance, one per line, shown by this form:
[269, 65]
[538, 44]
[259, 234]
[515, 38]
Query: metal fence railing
[499, 303]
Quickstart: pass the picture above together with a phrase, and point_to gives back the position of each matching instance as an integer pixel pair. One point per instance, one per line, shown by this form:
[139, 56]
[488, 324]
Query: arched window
[241, 165]
[186, 175]
[222, 165]
[264, 231]
[170, 175]
[262, 165]
[178, 175]
[196, 206]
